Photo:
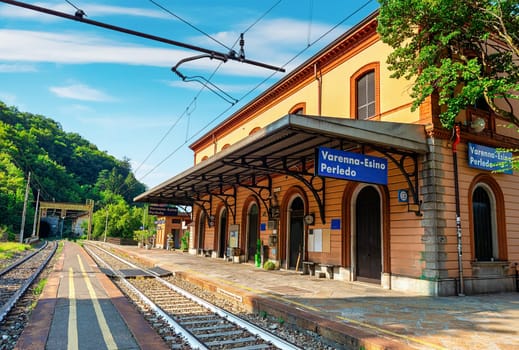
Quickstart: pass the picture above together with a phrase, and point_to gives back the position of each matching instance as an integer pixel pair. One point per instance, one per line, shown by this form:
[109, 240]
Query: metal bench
[309, 268]
[328, 269]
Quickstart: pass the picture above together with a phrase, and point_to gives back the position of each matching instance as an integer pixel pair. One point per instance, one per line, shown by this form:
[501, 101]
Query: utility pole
[22, 228]
[36, 213]
[106, 222]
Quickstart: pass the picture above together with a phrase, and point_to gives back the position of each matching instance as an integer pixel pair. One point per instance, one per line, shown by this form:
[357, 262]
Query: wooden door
[368, 235]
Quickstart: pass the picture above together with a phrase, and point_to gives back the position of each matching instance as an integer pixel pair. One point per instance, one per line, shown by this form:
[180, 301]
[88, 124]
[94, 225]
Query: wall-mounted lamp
[211, 221]
[478, 124]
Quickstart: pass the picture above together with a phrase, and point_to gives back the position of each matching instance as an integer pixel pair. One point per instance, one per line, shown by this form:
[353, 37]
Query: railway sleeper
[231, 341]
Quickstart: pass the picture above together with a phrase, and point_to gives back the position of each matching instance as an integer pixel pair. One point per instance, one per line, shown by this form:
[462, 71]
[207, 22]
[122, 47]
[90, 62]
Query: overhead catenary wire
[198, 95]
[80, 18]
[259, 84]
[189, 24]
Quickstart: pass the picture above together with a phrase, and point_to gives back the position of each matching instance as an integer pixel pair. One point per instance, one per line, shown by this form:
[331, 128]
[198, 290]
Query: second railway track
[183, 319]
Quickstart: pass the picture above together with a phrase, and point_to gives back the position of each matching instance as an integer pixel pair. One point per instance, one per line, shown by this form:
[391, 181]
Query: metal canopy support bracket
[307, 178]
[228, 199]
[202, 204]
[411, 177]
[258, 190]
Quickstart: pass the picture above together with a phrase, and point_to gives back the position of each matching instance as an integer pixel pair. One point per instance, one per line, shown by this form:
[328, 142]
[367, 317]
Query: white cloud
[34, 46]
[17, 68]
[80, 92]
[8, 98]
[92, 10]
[274, 43]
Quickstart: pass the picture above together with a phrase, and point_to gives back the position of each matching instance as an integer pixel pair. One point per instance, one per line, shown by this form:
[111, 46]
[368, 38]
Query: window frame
[497, 212]
[299, 108]
[368, 68]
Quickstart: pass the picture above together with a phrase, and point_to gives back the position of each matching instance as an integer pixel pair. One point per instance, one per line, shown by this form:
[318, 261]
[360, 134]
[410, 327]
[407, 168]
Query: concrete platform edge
[348, 337]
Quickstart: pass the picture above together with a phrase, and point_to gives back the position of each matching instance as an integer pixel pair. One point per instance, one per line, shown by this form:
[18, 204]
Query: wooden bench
[328, 270]
[309, 268]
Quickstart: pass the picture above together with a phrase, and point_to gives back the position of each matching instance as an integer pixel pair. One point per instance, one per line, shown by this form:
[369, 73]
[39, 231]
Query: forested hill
[64, 166]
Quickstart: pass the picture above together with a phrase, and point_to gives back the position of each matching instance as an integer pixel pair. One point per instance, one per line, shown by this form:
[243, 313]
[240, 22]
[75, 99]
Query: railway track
[16, 278]
[183, 319]
[17, 297]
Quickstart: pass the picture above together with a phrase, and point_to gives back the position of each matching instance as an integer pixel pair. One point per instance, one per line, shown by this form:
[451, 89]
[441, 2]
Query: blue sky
[118, 91]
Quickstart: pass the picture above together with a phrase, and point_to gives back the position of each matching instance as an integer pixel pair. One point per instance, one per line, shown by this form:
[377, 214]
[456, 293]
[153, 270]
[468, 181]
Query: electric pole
[36, 213]
[22, 228]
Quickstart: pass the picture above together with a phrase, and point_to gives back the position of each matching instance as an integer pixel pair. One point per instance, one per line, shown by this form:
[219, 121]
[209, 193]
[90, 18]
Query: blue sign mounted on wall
[489, 158]
[351, 166]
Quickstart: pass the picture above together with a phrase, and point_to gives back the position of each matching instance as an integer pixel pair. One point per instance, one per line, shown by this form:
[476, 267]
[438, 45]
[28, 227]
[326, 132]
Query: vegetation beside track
[10, 249]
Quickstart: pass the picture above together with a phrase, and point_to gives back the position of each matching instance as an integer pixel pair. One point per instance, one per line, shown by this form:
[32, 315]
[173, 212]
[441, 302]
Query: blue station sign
[351, 166]
[162, 210]
[489, 158]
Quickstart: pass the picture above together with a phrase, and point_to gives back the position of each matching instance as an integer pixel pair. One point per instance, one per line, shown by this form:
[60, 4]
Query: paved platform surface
[363, 314]
[80, 308]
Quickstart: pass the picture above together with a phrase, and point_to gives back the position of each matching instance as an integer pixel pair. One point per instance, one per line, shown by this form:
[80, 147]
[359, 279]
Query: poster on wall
[234, 231]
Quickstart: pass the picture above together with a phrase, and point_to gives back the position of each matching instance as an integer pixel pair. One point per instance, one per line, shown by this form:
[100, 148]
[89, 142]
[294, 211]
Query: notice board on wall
[234, 231]
[319, 240]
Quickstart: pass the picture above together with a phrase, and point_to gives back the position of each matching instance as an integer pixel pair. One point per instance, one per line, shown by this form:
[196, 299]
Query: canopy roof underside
[287, 146]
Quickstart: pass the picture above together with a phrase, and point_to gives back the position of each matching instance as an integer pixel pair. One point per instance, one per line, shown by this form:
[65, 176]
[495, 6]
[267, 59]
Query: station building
[331, 170]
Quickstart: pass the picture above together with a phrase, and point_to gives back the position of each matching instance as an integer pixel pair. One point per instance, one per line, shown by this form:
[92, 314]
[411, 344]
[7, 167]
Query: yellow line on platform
[72, 315]
[105, 330]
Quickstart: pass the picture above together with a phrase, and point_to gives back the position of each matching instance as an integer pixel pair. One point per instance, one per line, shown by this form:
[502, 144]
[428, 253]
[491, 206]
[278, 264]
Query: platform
[80, 308]
[353, 313]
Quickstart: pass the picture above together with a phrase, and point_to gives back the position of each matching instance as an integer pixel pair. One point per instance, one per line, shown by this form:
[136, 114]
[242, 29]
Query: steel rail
[4, 310]
[252, 328]
[179, 329]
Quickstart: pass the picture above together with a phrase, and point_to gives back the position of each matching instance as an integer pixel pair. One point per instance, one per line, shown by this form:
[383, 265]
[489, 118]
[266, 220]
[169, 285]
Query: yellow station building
[331, 170]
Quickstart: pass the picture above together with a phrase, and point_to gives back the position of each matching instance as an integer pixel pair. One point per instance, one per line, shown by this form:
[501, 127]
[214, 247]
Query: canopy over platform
[288, 146]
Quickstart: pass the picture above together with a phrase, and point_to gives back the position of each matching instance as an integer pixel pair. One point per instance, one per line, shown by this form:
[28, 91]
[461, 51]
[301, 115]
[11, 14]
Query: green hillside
[63, 166]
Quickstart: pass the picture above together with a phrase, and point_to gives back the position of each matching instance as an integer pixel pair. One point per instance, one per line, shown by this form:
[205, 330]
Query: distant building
[329, 168]
[171, 226]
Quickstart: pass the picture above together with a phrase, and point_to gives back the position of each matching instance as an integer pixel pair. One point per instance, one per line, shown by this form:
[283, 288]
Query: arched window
[487, 220]
[366, 96]
[365, 99]
[299, 108]
[255, 130]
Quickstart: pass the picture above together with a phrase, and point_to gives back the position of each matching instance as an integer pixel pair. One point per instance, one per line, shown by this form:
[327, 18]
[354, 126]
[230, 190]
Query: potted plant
[141, 236]
[184, 241]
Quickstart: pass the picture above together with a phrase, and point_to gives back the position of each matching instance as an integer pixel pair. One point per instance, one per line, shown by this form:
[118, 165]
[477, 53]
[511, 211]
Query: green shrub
[184, 241]
[269, 265]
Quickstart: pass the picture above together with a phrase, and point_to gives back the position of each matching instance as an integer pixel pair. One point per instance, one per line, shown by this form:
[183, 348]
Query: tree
[465, 51]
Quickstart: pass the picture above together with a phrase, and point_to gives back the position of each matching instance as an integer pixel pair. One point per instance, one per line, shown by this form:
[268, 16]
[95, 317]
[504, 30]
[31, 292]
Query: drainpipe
[456, 140]
[319, 79]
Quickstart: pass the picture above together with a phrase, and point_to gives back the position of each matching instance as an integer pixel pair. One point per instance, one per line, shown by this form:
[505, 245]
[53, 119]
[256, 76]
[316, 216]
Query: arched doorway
[368, 235]
[222, 230]
[252, 230]
[296, 240]
[485, 241]
[201, 230]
